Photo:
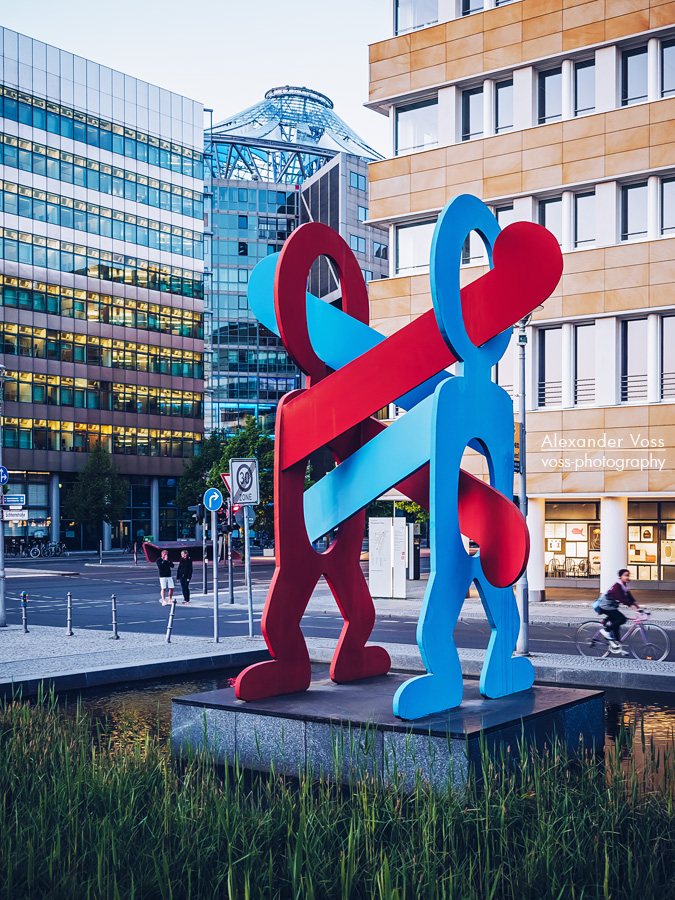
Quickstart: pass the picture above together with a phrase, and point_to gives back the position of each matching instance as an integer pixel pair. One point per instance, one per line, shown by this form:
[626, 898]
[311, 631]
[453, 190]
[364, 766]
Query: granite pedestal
[349, 730]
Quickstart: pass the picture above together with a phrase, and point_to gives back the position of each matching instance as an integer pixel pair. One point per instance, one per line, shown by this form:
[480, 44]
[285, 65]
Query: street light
[522, 590]
[3, 607]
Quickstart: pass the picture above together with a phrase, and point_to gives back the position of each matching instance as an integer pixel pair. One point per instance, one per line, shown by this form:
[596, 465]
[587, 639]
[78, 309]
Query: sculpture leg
[502, 673]
[352, 659]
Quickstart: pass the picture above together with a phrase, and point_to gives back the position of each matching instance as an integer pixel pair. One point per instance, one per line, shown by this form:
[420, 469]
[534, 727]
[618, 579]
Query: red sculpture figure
[298, 565]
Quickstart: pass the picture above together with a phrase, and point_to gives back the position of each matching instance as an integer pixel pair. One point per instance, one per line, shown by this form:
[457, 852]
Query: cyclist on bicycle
[607, 606]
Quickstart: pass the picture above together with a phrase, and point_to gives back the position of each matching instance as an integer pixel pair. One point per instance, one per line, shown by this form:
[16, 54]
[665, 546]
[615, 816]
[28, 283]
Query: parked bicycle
[643, 639]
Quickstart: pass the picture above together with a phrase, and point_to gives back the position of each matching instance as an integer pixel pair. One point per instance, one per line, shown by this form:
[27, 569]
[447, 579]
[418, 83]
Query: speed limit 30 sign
[244, 481]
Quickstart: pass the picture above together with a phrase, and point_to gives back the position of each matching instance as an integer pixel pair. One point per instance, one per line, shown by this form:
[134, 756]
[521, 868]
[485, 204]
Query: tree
[252, 441]
[98, 495]
[192, 483]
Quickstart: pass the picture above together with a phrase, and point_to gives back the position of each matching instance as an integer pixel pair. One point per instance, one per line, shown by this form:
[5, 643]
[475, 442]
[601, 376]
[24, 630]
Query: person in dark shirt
[185, 574]
[164, 565]
[608, 606]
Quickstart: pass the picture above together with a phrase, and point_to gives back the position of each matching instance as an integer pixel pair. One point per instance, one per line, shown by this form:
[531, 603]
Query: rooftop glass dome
[296, 115]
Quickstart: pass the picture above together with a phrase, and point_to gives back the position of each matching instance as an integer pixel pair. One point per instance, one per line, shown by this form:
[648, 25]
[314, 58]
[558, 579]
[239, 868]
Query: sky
[225, 54]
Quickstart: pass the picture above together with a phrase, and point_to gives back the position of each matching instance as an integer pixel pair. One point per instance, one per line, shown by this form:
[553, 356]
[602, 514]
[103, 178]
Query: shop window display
[572, 549]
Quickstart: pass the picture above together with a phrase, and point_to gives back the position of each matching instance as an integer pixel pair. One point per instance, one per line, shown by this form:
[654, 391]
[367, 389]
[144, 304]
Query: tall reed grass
[83, 816]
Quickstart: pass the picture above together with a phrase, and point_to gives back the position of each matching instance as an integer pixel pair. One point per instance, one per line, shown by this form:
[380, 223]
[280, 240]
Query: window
[504, 215]
[471, 6]
[503, 106]
[242, 222]
[363, 213]
[412, 14]
[584, 220]
[633, 360]
[550, 367]
[357, 181]
[417, 126]
[367, 275]
[380, 251]
[667, 356]
[473, 251]
[668, 206]
[668, 69]
[584, 87]
[550, 96]
[584, 363]
[472, 114]
[633, 76]
[413, 246]
[358, 244]
[550, 216]
[634, 211]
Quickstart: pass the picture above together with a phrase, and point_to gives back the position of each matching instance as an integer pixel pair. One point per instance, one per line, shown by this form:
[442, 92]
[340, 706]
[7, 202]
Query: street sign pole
[204, 579]
[214, 541]
[247, 550]
[4, 477]
[230, 575]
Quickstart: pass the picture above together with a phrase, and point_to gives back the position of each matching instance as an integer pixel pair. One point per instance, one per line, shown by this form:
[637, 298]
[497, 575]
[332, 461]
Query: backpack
[598, 605]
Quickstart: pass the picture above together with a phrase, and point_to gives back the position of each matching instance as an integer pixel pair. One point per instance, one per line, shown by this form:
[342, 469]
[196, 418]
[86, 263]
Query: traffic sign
[244, 480]
[14, 499]
[213, 499]
[14, 515]
[239, 515]
[4, 475]
[226, 478]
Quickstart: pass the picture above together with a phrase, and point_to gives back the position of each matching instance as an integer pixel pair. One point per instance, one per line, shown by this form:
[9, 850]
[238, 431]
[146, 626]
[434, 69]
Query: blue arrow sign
[4, 475]
[14, 499]
[213, 499]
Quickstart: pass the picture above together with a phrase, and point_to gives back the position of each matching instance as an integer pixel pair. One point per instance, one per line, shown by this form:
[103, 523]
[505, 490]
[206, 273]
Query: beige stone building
[563, 113]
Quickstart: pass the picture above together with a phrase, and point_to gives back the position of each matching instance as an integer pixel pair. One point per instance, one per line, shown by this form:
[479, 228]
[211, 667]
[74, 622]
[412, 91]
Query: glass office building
[286, 160]
[101, 285]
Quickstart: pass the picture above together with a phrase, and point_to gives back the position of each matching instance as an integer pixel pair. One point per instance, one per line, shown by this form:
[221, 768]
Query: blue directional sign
[4, 475]
[213, 499]
[14, 499]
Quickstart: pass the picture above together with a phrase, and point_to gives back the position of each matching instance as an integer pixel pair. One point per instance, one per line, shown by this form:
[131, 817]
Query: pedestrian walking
[165, 566]
[185, 574]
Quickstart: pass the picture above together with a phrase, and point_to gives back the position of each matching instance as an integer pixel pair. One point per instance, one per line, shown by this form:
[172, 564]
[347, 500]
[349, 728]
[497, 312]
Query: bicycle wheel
[35, 551]
[590, 642]
[649, 642]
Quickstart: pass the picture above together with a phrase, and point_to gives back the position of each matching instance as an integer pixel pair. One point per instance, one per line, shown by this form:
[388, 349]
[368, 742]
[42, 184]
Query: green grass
[87, 815]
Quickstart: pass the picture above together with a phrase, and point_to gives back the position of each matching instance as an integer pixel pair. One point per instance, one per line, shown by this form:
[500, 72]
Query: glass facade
[413, 246]
[417, 126]
[101, 275]
[550, 95]
[634, 76]
[413, 14]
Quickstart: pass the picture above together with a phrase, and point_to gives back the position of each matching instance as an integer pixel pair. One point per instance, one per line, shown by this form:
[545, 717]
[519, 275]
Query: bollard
[100, 552]
[24, 611]
[135, 553]
[169, 627]
[115, 636]
[69, 623]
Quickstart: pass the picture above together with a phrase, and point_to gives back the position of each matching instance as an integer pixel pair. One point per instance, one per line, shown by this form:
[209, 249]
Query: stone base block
[349, 730]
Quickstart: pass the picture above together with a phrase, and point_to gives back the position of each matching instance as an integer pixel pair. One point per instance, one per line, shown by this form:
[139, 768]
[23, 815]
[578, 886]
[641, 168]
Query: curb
[110, 675]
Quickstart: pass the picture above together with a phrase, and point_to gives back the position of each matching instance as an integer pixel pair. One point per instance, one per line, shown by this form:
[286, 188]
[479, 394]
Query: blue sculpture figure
[469, 410]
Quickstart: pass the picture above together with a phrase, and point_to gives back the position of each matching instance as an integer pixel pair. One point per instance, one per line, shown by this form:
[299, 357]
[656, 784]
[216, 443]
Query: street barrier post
[69, 623]
[169, 627]
[249, 589]
[115, 636]
[24, 611]
[100, 552]
[214, 539]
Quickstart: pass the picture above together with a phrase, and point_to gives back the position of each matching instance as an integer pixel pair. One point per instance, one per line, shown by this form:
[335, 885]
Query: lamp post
[522, 590]
[3, 607]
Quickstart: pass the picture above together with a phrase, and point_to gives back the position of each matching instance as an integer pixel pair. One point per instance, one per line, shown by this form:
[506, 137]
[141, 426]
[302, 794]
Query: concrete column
[107, 536]
[606, 79]
[653, 359]
[448, 99]
[523, 98]
[54, 507]
[488, 107]
[524, 209]
[567, 368]
[606, 362]
[613, 539]
[606, 214]
[567, 221]
[653, 69]
[653, 208]
[489, 4]
[154, 507]
[536, 567]
[392, 129]
[567, 89]
[530, 373]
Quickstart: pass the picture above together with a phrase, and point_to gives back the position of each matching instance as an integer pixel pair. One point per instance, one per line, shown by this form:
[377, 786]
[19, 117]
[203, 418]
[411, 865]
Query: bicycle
[644, 640]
